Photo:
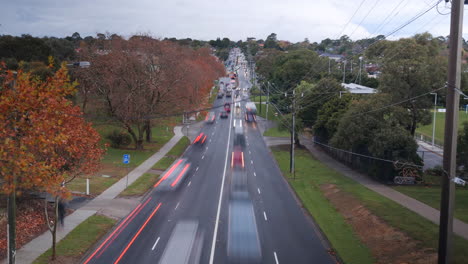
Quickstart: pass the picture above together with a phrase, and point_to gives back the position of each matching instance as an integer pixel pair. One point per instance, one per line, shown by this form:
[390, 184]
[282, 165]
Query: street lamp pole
[434, 122]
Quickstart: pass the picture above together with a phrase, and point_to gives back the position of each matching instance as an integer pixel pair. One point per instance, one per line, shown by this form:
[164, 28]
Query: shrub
[119, 139]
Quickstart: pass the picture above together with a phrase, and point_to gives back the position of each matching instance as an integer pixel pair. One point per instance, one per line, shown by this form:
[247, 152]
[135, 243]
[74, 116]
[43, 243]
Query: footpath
[460, 228]
[104, 203]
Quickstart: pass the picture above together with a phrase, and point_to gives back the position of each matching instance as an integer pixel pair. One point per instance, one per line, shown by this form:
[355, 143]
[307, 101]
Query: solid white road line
[258, 189]
[255, 174]
[215, 233]
[157, 240]
[190, 182]
[264, 215]
[276, 257]
[196, 169]
[176, 206]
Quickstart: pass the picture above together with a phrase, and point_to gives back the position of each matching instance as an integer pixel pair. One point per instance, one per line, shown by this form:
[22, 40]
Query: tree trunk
[85, 102]
[296, 140]
[138, 145]
[148, 131]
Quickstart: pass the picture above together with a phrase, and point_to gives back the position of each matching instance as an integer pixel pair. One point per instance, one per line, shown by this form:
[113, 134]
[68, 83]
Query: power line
[342, 30]
[389, 14]
[370, 10]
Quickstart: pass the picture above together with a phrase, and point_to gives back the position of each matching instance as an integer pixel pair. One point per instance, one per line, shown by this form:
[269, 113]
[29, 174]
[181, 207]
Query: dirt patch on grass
[387, 244]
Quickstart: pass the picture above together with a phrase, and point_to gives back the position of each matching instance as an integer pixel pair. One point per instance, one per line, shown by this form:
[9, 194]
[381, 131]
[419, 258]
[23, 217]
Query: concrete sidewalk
[29, 252]
[460, 228]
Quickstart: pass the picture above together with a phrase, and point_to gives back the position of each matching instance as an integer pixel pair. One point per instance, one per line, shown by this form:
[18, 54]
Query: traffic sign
[126, 158]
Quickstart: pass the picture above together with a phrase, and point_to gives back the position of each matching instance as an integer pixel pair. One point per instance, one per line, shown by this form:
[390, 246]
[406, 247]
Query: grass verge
[311, 174]
[276, 132]
[141, 185]
[262, 112]
[79, 240]
[173, 154]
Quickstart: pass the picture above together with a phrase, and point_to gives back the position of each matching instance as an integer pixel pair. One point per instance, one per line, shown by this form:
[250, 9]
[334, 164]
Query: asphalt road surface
[286, 234]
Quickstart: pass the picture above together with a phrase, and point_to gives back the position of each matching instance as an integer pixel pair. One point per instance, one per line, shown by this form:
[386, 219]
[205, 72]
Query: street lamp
[434, 122]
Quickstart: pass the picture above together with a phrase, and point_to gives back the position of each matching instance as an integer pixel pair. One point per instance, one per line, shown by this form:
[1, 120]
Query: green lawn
[440, 125]
[431, 197]
[311, 174]
[141, 185]
[276, 132]
[80, 239]
[173, 154]
[97, 184]
[262, 112]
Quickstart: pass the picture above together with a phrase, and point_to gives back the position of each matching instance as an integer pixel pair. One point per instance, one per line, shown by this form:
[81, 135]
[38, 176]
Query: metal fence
[422, 137]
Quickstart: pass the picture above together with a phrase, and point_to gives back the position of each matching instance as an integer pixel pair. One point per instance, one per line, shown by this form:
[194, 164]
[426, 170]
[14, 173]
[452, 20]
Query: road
[286, 234]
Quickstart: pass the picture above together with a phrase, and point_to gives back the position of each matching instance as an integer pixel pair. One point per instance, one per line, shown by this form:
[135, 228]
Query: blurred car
[200, 139]
[210, 117]
[220, 95]
[185, 244]
[174, 176]
[227, 107]
[223, 114]
[243, 243]
[239, 138]
[237, 158]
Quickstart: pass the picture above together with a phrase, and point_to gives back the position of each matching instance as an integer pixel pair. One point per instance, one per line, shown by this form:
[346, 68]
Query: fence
[381, 170]
[422, 137]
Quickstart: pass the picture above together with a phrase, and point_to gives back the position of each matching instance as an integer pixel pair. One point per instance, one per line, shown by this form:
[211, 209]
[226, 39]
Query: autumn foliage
[44, 140]
[140, 79]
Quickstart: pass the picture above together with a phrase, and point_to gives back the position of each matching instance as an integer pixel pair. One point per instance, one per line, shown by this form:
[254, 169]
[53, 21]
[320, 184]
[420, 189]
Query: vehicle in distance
[223, 114]
[210, 117]
[239, 138]
[227, 107]
[174, 176]
[228, 93]
[200, 139]
[184, 245]
[220, 95]
[250, 112]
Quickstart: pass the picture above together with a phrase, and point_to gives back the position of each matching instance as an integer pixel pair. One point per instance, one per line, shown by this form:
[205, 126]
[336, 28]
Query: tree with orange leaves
[44, 142]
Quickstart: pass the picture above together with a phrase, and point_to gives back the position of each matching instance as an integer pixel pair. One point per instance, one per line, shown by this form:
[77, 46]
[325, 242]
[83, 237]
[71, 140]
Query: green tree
[271, 42]
[329, 116]
[412, 67]
[313, 97]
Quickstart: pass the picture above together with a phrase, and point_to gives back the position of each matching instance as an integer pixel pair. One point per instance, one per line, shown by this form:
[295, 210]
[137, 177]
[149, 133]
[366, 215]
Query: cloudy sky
[291, 20]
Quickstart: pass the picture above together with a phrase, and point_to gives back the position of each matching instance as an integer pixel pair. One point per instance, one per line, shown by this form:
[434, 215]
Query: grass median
[173, 154]
[312, 174]
[276, 132]
[72, 247]
[141, 185]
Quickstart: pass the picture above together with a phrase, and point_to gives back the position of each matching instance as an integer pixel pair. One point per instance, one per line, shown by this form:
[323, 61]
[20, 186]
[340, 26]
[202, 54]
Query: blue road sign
[126, 158]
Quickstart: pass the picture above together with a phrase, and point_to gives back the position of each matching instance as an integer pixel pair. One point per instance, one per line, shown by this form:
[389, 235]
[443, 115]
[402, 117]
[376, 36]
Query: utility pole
[434, 121]
[344, 71]
[268, 100]
[450, 146]
[293, 132]
[260, 89]
[360, 69]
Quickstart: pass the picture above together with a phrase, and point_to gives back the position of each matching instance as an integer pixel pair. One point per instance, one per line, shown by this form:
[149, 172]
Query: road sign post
[126, 160]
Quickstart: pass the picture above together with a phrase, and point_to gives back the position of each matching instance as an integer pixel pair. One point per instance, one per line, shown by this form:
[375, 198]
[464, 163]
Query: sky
[292, 20]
